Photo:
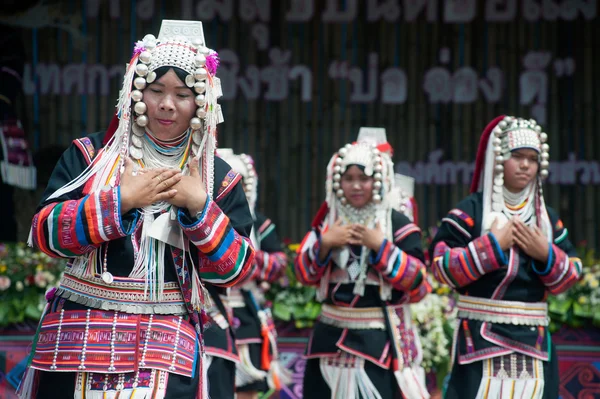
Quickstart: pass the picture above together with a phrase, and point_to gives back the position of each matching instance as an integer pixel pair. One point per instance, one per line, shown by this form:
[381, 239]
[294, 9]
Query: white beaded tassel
[58, 330]
[85, 339]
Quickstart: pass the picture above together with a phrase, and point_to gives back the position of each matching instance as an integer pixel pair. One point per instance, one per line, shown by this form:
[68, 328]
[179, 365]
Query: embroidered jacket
[474, 265]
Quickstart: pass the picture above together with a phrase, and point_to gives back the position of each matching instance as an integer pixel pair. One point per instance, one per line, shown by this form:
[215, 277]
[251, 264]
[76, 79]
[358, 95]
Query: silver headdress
[505, 135]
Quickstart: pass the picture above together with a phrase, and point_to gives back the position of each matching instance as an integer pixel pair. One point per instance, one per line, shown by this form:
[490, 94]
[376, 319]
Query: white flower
[19, 286]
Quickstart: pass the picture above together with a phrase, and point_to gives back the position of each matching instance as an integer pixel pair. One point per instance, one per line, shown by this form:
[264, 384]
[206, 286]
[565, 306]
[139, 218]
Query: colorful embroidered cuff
[317, 251]
[375, 258]
[188, 221]
[549, 263]
[128, 220]
[499, 250]
[110, 223]
[486, 254]
[563, 273]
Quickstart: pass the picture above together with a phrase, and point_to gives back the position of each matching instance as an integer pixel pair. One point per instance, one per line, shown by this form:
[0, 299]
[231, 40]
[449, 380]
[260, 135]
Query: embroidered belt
[124, 294]
[101, 341]
[353, 318]
[505, 312]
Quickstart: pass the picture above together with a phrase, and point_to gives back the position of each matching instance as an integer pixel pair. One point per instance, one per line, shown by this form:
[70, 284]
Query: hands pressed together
[339, 235]
[149, 186]
[531, 240]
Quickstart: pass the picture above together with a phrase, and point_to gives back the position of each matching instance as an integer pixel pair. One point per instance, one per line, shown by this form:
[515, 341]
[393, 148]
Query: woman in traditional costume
[366, 260]
[259, 369]
[146, 216]
[504, 251]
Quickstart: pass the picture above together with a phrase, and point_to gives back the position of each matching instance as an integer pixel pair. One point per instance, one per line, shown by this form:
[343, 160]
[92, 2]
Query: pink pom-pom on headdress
[139, 47]
[212, 63]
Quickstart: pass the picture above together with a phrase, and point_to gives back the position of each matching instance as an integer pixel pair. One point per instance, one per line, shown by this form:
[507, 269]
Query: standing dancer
[365, 258]
[504, 251]
[146, 217]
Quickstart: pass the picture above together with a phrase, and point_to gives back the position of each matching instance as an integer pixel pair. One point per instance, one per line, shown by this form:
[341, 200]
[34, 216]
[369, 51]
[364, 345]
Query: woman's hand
[190, 190]
[146, 187]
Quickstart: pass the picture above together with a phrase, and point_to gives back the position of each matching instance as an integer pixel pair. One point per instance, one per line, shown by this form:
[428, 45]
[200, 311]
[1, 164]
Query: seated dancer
[146, 219]
[256, 339]
[503, 251]
[365, 259]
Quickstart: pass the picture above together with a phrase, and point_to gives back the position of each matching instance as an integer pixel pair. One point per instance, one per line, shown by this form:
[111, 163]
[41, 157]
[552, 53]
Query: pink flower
[4, 283]
[40, 279]
[212, 63]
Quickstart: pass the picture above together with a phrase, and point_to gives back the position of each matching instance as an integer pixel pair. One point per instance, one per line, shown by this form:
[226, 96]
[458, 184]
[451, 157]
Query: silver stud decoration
[140, 108]
[512, 133]
[195, 123]
[137, 95]
[373, 167]
[139, 83]
[142, 120]
[200, 100]
[191, 58]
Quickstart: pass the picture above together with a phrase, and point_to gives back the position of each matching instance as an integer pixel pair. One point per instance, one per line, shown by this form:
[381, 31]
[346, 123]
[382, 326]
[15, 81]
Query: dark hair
[161, 71]
[181, 74]
[362, 168]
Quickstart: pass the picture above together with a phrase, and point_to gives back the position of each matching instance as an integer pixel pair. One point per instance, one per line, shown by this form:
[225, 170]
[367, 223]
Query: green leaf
[281, 311]
[32, 312]
[584, 310]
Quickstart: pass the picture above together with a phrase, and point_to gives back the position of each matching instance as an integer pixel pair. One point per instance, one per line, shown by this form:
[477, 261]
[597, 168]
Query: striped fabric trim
[86, 147]
[270, 265]
[561, 237]
[457, 226]
[228, 183]
[458, 267]
[161, 342]
[75, 227]
[508, 343]
[397, 267]
[308, 270]
[463, 216]
[265, 229]
[228, 256]
[417, 294]
[405, 231]
[564, 272]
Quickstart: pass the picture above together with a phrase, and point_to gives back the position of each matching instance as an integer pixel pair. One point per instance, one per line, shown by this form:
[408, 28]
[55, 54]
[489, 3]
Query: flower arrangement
[435, 318]
[580, 305]
[25, 275]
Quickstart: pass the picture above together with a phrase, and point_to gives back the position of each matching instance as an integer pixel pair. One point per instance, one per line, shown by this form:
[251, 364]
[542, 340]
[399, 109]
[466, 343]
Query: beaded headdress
[499, 139]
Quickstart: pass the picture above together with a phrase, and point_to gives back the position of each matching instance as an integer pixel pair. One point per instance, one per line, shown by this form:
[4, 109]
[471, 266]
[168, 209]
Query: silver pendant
[137, 130]
[107, 277]
[136, 140]
[136, 153]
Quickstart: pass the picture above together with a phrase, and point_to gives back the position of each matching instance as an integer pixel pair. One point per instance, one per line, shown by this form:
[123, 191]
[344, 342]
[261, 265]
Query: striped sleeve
[228, 256]
[270, 259]
[403, 271]
[307, 267]
[74, 227]
[563, 268]
[461, 265]
[270, 266]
